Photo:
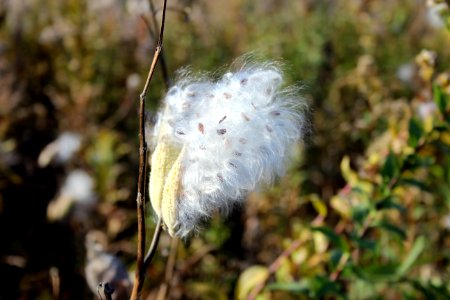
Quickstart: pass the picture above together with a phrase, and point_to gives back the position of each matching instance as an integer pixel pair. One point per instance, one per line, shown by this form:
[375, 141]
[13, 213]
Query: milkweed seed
[245, 117]
[201, 128]
[221, 120]
[275, 113]
[220, 177]
[237, 153]
[221, 131]
[231, 164]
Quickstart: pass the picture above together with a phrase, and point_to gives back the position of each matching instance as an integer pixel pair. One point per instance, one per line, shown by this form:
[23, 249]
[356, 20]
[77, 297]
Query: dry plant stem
[55, 281]
[162, 59]
[154, 245]
[273, 268]
[140, 201]
[162, 293]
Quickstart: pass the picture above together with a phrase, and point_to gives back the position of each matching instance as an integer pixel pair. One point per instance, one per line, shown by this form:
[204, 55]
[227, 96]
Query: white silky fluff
[237, 132]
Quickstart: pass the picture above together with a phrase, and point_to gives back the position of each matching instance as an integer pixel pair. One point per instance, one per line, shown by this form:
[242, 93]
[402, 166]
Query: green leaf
[414, 161]
[414, 182]
[325, 287]
[337, 240]
[318, 287]
[250, 278]
[375, 272]
[391, 228]
[335, 258]
[389, 203]
[360, 213]
[391, 167]
[415, 132]
[205, 290]
[430, 290]
[302, 286]
[429, 295]
[416, 250]
[319, 205]
[440, 98]
[363, 243]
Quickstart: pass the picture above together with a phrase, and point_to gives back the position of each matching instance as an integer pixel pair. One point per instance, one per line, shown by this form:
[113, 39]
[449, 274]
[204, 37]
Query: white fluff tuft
[237, 132]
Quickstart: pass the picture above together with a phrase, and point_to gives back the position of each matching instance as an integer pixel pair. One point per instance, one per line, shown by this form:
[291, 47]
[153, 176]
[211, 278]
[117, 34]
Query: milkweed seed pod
[216, 141]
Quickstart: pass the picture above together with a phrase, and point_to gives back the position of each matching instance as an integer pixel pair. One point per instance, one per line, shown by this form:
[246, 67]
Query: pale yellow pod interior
[163, 159]
[171, 194]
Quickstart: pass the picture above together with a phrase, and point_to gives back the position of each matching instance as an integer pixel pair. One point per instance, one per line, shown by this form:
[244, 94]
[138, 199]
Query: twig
[175, 9]
[273, 268]
[56, 282]
[162, 59]
[196, 257]
[140, 201]
[341, 264]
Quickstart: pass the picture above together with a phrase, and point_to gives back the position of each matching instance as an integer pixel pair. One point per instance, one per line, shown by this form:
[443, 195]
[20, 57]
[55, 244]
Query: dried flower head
[217, 140]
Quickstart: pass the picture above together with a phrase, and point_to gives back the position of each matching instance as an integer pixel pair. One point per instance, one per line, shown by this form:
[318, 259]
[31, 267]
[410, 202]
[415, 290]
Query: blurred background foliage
[362, 214]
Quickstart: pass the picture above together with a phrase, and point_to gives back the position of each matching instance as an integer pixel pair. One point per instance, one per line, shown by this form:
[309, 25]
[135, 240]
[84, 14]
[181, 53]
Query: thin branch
[162, 60]
[140, 201]
[175, 9]
[190, 263]
[273, 268]
[163, 63]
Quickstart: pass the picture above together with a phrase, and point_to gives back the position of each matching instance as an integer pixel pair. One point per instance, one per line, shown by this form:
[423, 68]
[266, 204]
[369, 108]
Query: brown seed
[231, 164]
[221, 131]
[244, 81]
[201, 128]
[180, 132]
[221, 120]
[269, 129]
[220, 177]
[227, 96]
[245, 117]
[237, 153]
[242, 141]
[227, 143]
[275, 113]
